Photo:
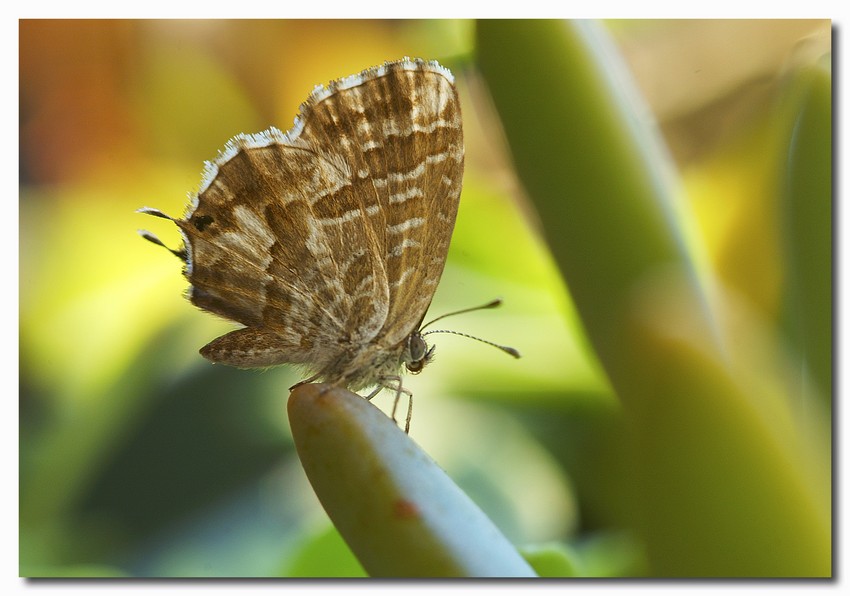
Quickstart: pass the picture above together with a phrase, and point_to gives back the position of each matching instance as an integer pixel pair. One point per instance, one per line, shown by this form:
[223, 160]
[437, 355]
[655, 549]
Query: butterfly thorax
[376, 365]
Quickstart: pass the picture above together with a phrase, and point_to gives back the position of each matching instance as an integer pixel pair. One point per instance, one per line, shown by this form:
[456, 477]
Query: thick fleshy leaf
[397, 510]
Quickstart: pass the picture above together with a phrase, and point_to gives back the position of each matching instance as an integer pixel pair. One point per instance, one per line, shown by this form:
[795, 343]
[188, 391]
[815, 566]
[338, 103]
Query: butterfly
[327, 242]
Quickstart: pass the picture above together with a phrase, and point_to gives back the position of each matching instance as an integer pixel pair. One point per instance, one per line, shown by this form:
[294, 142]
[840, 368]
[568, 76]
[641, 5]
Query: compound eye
[417, 347]
[417, 353]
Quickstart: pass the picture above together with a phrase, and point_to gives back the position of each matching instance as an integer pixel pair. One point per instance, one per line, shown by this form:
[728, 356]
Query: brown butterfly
[327, 242]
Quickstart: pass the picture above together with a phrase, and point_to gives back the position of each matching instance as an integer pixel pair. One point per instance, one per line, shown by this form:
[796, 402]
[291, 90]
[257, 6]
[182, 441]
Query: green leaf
[397, 510]
[552, 560]
[324, 555]
[807, 203]
[595, 170]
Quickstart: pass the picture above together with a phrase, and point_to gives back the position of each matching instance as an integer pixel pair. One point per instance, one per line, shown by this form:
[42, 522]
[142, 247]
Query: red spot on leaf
[405, 509]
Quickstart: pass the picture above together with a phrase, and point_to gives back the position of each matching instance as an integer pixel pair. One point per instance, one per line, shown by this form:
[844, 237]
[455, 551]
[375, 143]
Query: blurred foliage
[627, 441]
[731, 455]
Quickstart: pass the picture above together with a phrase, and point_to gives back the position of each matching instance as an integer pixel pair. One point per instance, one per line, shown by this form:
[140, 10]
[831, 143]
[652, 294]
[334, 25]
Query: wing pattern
[327, 242]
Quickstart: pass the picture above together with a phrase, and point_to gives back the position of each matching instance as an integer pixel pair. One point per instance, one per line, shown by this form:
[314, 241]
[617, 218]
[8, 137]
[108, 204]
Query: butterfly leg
[394, 383]
[409, 409]
[305, 381]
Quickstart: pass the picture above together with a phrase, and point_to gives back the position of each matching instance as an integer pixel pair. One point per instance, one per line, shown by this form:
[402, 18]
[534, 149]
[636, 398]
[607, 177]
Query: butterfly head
[417, 353]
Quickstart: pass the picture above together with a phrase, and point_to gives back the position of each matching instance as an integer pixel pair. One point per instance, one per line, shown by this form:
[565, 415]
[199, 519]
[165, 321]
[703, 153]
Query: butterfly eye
[418, 353]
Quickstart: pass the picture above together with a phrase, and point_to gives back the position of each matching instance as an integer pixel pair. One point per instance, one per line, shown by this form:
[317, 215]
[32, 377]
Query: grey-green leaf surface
[398, 511]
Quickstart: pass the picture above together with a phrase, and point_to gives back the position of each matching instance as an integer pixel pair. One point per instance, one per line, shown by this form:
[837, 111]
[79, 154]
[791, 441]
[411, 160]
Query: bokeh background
[139, 458]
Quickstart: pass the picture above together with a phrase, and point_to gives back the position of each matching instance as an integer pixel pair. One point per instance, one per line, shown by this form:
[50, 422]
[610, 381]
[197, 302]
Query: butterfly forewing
[403, 141]
[421, 207]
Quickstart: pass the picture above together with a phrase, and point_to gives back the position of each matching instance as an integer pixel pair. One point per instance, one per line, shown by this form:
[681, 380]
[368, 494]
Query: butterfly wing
[398, 127]
[424, 177]
[327, 242]
[263, 251]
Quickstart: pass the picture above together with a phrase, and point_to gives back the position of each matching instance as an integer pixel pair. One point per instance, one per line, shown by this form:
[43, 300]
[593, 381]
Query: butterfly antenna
[491, 304]
[180, 254]
[507, 349]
